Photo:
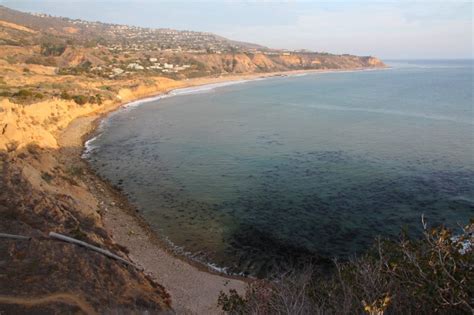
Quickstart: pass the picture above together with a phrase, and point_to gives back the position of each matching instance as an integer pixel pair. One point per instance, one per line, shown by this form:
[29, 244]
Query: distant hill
[38, 43]
[110, 34]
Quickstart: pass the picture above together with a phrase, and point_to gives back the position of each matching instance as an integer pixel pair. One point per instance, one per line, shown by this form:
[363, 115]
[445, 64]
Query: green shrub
[23, 93]
[66, 96]
[80, 99]
[52, 49]
[75, 171]
[33, 148]
[77, 233]
[25, 96]
[98, 98]
[5, 93]
[232, 302]
[106, 87]
[82, 68]
[92, 99]
[47, 177]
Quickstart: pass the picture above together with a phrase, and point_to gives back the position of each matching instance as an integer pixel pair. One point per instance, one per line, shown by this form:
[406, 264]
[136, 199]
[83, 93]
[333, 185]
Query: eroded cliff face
[40, 123]
[250, 63]
[36, 123]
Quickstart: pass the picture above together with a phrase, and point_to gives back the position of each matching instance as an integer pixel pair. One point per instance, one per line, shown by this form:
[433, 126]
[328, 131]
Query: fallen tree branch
[15, 237]
[92, 247]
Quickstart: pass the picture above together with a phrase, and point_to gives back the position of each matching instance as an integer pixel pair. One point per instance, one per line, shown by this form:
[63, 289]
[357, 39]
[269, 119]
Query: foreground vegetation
[433, 275]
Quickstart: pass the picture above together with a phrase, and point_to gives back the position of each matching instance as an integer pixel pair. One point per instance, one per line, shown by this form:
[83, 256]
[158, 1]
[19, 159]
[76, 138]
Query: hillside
[111, 50]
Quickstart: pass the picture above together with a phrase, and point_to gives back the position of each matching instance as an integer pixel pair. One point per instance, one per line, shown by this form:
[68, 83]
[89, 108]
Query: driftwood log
[92, 247]
[15, 237]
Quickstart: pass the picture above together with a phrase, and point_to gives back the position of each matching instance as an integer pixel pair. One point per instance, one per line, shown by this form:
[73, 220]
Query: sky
[386, 29]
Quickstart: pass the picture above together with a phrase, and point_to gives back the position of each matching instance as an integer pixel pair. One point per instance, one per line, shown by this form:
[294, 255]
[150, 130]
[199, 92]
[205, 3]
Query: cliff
[259, 62]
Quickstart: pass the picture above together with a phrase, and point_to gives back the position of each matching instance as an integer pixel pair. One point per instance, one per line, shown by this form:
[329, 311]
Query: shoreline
[127, 207]
[194, 286]
[215, 82]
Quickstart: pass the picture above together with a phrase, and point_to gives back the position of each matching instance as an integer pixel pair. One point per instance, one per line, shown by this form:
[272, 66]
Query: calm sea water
[250, 175]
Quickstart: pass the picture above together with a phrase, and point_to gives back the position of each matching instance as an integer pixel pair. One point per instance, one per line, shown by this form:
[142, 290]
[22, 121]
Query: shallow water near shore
[247, 176]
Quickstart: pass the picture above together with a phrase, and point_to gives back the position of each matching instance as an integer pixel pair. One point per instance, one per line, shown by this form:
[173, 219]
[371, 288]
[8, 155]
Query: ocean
[251, 175]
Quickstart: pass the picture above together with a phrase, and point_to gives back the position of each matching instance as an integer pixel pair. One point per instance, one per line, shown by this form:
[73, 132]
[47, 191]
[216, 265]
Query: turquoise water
[255, 174]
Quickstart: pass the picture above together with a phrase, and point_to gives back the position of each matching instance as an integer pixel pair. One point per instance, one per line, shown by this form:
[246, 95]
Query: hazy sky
[388, 29]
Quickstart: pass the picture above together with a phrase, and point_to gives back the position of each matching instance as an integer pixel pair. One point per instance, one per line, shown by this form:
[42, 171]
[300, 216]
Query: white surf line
[212, 86]
[189, 90]
[89, 144]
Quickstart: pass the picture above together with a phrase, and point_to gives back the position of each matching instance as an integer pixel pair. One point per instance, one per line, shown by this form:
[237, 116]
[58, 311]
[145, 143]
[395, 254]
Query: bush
[75, 171]
[5, 94]
[66, 96]
[80, 99]
[23, 94]
[47, 177]
[98, 98]
[52, 49]
[427, 276]
[83, 68]
[33, 148]
[106, 88]
[233, 303]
